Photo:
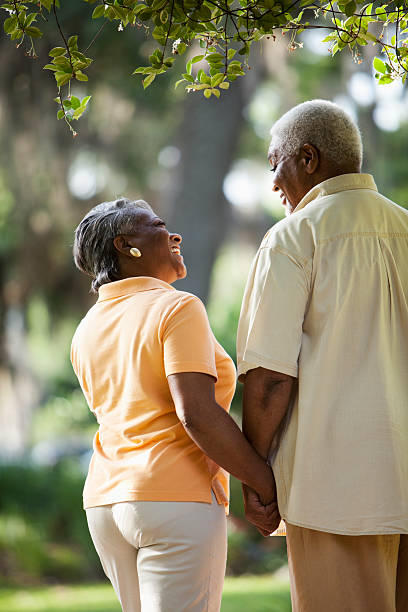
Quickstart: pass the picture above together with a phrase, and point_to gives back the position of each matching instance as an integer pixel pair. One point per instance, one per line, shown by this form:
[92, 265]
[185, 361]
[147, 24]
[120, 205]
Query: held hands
[262, 509]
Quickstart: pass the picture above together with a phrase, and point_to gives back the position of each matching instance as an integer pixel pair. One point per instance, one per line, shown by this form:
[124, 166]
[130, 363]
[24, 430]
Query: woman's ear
[310, 157]
[121, 244]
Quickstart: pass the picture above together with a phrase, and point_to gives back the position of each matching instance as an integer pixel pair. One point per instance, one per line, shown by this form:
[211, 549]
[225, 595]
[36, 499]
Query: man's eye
[273, 169]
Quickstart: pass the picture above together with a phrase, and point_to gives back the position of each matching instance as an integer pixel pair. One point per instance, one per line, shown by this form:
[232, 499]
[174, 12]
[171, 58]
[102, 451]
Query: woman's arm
[217, 434]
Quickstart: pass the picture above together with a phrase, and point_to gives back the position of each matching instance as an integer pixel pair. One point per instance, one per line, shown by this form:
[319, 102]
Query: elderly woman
[160, 387]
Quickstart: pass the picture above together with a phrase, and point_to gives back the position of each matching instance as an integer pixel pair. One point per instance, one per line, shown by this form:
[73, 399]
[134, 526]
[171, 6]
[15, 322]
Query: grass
[242, 594]
[256, 594]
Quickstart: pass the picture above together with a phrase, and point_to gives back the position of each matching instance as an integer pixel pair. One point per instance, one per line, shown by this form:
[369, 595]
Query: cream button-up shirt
[327, 302]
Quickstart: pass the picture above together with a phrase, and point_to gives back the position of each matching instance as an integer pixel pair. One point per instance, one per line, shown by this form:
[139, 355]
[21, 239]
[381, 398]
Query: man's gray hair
[94, 251]
[324, 125]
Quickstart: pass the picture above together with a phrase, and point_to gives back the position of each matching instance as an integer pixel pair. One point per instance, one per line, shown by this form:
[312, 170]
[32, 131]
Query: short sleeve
[273, 309]
[188, 342]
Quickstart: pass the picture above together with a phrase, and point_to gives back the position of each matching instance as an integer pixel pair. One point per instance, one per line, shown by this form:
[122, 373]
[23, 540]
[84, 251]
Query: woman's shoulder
[184, 301]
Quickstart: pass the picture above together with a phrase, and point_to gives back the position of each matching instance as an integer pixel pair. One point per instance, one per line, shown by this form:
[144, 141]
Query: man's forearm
[267, 396]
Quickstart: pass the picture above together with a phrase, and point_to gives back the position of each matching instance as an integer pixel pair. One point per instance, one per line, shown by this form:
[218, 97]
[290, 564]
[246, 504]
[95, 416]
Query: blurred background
[202, 165]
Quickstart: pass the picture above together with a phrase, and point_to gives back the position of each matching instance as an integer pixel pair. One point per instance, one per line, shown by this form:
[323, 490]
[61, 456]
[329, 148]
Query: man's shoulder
[293, 234]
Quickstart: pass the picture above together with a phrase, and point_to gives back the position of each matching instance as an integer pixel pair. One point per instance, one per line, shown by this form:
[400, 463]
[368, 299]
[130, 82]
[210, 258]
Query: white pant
[162, 556]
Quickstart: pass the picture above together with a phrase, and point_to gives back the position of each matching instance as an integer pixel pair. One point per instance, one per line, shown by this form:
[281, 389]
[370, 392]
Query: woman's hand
[267, 491]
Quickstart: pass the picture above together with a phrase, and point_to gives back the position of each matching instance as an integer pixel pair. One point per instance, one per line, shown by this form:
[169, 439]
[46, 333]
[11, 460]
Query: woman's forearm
[217, 434]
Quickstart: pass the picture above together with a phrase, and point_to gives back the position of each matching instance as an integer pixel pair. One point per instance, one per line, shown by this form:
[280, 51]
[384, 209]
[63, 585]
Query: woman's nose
[176, 238]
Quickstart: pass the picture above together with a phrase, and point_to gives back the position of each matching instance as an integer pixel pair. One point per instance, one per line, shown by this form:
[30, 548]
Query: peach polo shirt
[327, 302]
[140, 331]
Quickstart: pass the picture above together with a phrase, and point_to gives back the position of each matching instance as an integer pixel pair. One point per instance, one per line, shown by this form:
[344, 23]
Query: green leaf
[217, 79]
[159, 35]
[75, 102]
[67, 103]
[216, 92]
[188, 77]
[370, 36]
[144, 14]
[62, 62]
[80, 76]
[379, 65]
[60, 114]
[16, 34]
[33, 32]
[207, 93]
[178, 83]
[204, 78]
[231, 53]
[85, 101]
[62, 78]
[57, 51]
[329, 38]
[224, 85]
[350, 8]
[214, 58]
[10, 24]
[30, 18]
[98, 11]
[78, 112]
[385, 80]
[234, 69]
[197, 58]
[50, 67]
[73, 43]
[201, 86]
[244, 50]
[81, 57]
[140, 70]
[189, 67]
[148, 80]
[381, 13]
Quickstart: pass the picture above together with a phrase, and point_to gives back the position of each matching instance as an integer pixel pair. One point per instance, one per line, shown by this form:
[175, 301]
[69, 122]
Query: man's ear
[310, 157]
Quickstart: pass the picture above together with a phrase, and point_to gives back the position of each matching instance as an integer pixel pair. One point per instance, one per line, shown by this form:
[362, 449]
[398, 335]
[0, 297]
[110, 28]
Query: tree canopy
[219, 34]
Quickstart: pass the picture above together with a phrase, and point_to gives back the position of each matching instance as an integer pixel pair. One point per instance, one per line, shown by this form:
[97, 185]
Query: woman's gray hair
[324, 125]
[94, 251]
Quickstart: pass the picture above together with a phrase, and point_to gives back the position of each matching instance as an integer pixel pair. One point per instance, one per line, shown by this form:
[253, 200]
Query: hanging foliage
[224, 31]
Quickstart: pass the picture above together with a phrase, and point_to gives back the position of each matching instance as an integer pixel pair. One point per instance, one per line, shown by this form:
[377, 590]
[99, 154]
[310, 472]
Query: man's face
[288, 177]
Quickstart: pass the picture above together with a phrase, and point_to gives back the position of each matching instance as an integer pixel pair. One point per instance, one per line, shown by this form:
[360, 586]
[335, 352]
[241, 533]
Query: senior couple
[323, 357]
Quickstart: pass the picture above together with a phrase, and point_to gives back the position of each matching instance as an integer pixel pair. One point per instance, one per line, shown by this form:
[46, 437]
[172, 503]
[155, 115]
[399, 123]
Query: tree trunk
[208, 138]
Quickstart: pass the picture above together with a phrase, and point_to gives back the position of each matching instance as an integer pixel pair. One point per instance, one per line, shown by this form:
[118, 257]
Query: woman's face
[161, 256]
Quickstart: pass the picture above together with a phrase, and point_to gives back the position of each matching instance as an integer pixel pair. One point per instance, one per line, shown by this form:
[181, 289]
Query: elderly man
[323, 355]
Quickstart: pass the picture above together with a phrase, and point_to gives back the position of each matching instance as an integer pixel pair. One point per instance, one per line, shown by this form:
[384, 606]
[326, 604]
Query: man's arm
[267, 396]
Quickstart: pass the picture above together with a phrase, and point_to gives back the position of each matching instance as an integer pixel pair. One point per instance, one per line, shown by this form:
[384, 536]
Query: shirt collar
[343, 182]
[130, 285]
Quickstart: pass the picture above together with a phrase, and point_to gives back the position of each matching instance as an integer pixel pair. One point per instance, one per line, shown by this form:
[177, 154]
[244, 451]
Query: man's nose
[176, 238]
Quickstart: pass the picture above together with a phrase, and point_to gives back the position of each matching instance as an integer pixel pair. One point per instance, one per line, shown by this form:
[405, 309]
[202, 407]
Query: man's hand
[265, 518]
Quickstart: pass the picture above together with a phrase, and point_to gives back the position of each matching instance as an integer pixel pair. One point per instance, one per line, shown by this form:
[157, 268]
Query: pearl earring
[135, 252]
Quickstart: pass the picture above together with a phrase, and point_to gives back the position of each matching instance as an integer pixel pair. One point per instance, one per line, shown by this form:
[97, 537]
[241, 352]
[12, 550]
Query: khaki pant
[338, 573]
[162, 556]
